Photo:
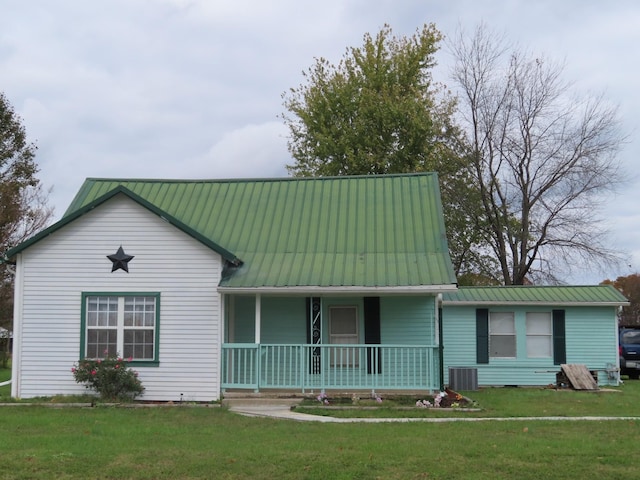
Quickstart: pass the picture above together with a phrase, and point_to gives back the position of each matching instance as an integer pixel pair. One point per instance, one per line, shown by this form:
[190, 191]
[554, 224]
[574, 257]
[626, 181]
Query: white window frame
[500, 334]
[120, 321]
[539, 340]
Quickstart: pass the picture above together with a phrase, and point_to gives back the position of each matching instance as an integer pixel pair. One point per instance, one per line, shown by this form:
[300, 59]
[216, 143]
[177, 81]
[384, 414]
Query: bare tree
[23, 204]
[542, 158]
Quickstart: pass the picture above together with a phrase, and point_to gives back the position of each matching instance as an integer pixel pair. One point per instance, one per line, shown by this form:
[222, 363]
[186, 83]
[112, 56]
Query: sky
[193, 88]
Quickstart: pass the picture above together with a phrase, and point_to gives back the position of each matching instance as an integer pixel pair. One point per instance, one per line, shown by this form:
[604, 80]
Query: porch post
[439, 341]
[258, 317]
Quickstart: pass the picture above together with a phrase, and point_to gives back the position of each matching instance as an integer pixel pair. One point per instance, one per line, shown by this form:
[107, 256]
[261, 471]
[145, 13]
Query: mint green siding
[403, 320]
[408, 320]
[283, 320]
[590, 340]
[592, 336]
[242, 309]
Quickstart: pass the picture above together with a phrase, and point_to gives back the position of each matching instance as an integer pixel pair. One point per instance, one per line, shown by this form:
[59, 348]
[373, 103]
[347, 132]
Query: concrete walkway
[282, 409]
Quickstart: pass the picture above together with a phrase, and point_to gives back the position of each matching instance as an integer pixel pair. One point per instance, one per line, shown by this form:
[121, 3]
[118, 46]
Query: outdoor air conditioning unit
[463, 378]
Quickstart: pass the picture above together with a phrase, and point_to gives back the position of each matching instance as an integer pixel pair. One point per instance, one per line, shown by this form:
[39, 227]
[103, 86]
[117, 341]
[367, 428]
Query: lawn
[516, 402]
[211, 442]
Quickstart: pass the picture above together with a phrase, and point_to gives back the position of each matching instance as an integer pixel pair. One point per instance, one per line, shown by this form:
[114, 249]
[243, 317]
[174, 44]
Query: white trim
[18, 307]
[347, 290]
[534, 303]
[437, 319]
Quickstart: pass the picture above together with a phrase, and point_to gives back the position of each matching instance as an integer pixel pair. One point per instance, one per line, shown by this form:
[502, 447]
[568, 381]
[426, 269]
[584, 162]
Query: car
[629, 352]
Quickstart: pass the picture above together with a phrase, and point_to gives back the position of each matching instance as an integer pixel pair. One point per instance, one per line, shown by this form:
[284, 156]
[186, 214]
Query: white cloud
[191, 88]
[248, 152]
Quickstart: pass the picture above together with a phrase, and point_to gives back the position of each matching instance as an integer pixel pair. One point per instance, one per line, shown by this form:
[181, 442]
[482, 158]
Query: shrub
[110, 377]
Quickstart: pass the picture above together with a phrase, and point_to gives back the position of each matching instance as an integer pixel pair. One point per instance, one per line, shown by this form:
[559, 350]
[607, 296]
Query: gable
[115, 192]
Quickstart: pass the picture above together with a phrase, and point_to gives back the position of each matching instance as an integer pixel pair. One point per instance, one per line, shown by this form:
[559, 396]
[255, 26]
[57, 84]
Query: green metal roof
[536, 295]
[383, 231]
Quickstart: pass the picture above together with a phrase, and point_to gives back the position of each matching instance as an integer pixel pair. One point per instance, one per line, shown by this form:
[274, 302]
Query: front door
[343, 330]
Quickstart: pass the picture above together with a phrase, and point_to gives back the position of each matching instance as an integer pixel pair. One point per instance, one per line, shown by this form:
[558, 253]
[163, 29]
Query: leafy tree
[542, 158]
[379, 112]
[630, 288]
[23, 209]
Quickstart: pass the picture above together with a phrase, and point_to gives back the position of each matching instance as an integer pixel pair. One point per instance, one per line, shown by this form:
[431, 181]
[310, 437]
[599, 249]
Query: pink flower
[73, 370]
[93, 372]
[117, 365]
[130, 359]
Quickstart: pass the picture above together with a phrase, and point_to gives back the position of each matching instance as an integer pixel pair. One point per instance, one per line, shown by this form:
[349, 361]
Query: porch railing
[316, 367]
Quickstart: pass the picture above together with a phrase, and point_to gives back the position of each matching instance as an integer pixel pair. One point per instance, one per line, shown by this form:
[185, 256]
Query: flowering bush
[322, 398]
[111, 378]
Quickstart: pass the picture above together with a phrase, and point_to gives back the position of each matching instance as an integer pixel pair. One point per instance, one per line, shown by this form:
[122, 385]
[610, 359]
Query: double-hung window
[121, 324]
[502, 335]
[539, 335]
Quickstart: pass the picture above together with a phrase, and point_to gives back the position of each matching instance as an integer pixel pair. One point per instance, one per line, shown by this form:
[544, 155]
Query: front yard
[211, 442]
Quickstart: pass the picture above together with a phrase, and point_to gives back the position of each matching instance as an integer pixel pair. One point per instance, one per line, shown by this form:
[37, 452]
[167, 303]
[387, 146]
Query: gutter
[307, 290]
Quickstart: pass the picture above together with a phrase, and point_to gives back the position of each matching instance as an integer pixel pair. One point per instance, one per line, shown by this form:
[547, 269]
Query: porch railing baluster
[370, 367]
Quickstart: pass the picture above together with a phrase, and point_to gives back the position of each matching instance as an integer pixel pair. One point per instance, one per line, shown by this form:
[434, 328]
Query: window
[502, 335]
[539, 335]
[343, 329]
[121, 324]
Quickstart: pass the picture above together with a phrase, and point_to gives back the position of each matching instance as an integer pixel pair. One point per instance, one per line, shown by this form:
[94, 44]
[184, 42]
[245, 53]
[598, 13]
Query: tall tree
[379, 112]
[542, 158]
[23, 203]
[630, 288]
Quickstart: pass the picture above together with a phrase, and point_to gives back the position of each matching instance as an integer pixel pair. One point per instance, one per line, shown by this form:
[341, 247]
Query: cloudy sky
[192, 88]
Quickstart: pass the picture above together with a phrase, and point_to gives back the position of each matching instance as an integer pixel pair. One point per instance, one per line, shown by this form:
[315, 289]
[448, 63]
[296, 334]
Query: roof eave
[229, 256]
[522, 303]
[342, 290]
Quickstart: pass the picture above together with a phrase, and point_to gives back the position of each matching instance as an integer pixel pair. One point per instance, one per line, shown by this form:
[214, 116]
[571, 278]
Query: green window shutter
[559, 339]
[482, 335]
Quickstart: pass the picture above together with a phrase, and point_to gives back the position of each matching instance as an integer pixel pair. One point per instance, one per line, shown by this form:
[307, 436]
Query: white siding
[56, 270]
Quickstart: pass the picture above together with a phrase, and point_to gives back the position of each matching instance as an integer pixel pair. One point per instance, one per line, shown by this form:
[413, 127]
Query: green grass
[5, 392]
[190, 443]
[201, 443]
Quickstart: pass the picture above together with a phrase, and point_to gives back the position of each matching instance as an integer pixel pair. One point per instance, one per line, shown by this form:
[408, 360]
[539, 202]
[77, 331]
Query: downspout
[440, 344]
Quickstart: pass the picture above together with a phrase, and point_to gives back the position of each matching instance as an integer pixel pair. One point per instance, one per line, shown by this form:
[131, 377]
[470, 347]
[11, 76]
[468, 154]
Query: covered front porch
[325, 343]
[319, 367]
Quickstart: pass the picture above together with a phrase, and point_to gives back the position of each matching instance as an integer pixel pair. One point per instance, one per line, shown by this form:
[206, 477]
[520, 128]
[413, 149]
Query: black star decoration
[120, 260]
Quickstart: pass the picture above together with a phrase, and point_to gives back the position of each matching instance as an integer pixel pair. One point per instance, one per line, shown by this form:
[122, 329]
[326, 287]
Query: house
[520, 335]
[213, 285]
[306, 284]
